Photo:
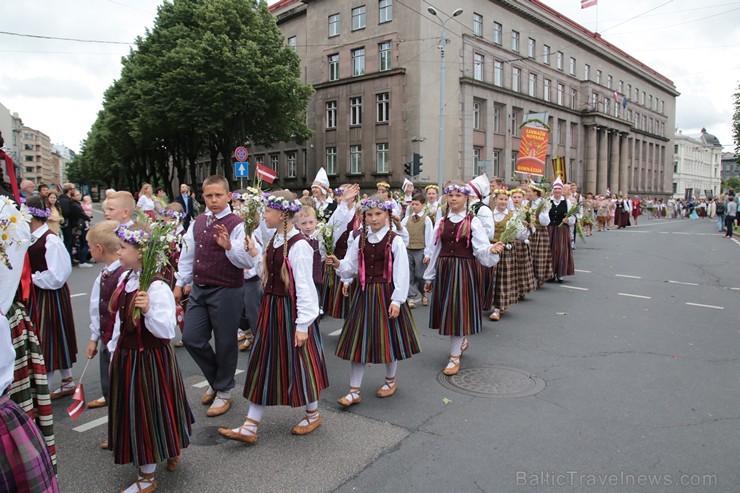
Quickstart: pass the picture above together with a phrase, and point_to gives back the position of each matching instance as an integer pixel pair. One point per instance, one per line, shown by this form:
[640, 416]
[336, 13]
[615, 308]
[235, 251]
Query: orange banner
[532, 151]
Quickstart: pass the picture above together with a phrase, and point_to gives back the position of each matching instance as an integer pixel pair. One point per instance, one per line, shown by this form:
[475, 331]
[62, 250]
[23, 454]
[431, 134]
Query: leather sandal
[146, 479]
[172, 463]
[306, 429]
[388, 388]
[452, 370]
[465, 346]
[356, 398]
[64, 389]
[237, 436]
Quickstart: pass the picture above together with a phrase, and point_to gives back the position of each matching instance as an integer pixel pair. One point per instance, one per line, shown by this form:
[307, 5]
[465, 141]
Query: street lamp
[442, 46]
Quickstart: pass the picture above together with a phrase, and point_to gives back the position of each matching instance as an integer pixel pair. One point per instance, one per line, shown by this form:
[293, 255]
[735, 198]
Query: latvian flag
[78, 402]
[266, 174]
[588, 3]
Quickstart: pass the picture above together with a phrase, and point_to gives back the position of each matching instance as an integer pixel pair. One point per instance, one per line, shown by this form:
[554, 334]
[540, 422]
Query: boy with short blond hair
[120, 206]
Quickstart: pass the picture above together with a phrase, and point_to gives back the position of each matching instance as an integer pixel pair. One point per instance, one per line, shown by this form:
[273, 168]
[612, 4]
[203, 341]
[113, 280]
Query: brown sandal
[390, 383]
[145, 478]
[237, 436]
[61, 392]
[312, 425]
[453, 369]
[172, 463]
[354, 391]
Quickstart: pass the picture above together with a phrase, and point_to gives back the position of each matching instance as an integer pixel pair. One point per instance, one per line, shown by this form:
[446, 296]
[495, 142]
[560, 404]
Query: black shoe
[560, 280]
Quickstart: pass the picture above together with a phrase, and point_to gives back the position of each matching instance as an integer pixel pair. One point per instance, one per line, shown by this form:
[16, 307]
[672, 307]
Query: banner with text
[532, 151]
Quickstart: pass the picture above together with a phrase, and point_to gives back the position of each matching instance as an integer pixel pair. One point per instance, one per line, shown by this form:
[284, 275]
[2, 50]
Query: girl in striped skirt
[49, 303]
[149, 417]
[539, 239]
[505, 283]
[452, 274]
[525, 281]
[560, 244]
[380, 328]
[286, 365]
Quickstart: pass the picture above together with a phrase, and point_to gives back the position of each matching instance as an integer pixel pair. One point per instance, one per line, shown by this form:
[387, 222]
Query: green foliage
[731, 183]
[209, 76]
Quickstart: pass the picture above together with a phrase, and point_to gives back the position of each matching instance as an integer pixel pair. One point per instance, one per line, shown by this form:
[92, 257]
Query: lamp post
[442, 47]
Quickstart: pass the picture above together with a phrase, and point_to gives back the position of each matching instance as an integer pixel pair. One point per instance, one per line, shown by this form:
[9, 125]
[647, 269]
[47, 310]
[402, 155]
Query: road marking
[238, 372]
[736, 242]
[335, 333]
[684, 283]
[635, 296]
[706, 306]
[735, 289]
[574, 287]
[628, 277]
[664, 232]
[584, 271]
[92, 424]
[680, 233]
[77, 295]
[204, 383]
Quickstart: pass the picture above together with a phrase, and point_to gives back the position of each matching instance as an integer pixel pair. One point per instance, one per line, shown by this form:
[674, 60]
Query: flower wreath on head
[501, 191]
[40, 213]
[137, 237]
[338, 192]
[173, 214]
[454, 187]
[431, 187]
[517, 190]
[384, 205]
[281, 203]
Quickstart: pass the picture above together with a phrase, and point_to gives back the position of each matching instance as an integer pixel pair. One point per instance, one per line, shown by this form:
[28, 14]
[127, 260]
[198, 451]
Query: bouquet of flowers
[249, 210]
[575, 209]
[7, 228]
[514, 227]
[579, 231]
[325, 234]
[539, 209]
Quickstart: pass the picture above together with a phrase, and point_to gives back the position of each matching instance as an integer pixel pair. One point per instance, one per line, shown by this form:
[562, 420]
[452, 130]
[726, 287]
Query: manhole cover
[207, 436]
[493, 381]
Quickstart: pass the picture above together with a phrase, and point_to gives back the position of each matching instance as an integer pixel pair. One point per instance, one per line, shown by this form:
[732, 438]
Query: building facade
[35, 160]
[63, 155]
[10, 126]
[730, 166]
[697, 165]
[375, 68]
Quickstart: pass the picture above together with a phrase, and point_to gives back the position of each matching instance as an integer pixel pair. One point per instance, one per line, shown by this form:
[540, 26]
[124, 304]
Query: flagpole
[79, 380]
[596, 30]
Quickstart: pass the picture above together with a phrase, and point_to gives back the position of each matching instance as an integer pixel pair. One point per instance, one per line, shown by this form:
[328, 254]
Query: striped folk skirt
[525, 281]
[539, 244]
[335, 304]
[505, 291]
[487, 275]
[51, 314]
[25, 463]
[369, 336]
[455, 309]
[561, 252]
[149, 416]
[30, 389]
[278, 373]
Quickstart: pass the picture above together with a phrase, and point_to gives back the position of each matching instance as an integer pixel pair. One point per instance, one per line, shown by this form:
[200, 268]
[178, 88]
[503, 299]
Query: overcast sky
[57, 86]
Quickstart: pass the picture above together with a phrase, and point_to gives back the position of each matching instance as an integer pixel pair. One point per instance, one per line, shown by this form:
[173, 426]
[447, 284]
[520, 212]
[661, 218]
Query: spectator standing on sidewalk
[730, 213]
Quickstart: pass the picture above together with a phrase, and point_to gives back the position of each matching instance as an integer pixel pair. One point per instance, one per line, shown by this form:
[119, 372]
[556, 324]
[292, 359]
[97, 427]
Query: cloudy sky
[57, 86]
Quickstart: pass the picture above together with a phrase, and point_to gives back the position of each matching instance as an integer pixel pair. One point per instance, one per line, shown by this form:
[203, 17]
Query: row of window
[358, 61]
[655, 104]
[382, 161]
[382, 110]
[359, 17]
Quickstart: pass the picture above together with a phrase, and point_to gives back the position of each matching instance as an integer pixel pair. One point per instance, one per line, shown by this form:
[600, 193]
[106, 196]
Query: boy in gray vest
[420, 231]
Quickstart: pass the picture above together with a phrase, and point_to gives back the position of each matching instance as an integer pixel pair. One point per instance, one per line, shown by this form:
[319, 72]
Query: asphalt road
[637, 353]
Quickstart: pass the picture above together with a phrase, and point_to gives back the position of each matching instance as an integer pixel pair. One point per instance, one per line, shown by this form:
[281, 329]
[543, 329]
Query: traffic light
[407, 169]
[416, 165]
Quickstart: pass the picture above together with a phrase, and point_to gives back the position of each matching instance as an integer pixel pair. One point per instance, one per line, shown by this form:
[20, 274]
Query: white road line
[736, 242]
[735, 289]
[664, 232]
[204, 383]
[92, 424]
[635, 296]
[77, 295]
[238, 372]
[680, 233]
[335, 333]
[584, 271]
[706, 306]
[574, 287]
[684, 283]
[628, 277]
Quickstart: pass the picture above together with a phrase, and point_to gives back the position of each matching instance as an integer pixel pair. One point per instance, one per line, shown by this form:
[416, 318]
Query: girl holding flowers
[525, 280]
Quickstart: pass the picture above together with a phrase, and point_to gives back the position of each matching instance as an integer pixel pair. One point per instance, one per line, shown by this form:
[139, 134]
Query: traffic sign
[241, 169]
[241, 154]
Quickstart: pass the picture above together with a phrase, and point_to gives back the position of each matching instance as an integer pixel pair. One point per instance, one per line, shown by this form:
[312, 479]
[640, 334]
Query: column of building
[623, 163]
[614, 160]
[589, 181]
[602, 162]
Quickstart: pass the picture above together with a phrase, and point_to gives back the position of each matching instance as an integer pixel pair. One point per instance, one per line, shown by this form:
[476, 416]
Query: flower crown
[338, 192]
[281, 203]
[40, 213]
[501, 191]
[173, 214]
[137, 237]
[383, 205]
[435, 187]
[517, 190]
[454, 187]
[383, 184]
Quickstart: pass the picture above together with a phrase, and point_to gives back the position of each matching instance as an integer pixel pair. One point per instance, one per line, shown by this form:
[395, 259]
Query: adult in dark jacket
[185, 199]
[73, 214]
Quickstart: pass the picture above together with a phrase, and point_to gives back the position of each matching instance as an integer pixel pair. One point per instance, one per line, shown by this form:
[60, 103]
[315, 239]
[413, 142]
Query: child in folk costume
[149, 419]
[452, 274]
[380, 328]
[408, 196]
[286, 366]
[49, 304]
[104, 245]
[505, 291]
[481, 187]
[384, 189]
[589, 212]
[602, 213]
[306, 222]
[433, 203]
[560, 249]
[421, 240]
[539, 239]
[525, 280]
[119, 206]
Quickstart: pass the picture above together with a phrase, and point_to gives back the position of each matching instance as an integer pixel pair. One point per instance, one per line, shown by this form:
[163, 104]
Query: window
[561, 89]
[293, 42]
[594, 101]
[274, 161]
[29, 158]
[607, 102]
[386, 11]
[331, 160]
[637, 95]
[383, 107]
[291, 164]
[621, 86]
[382, 162]
[331, 114]
[478, 60]
[355, 160]
[572, 66]
[384, 51]
[609, 81]
[260, 160]
[650, 101]
[498, 73]
[477, 24]
[642, 98]
[662, 106]
[334, 66]
[358, 18]
[514, 41]
[496, 161]
[355, 110]
[497, 119]
[28, 147]
[531, 47]
[573, 134]
[514, 156]
[629, 115]
[546, 89]
[644, 122]
[516, 76]
[333, 25]
[29, 169]
[559, 60]
[561, 132]
[498, 33]
[598, 76]
[532, 85]
[476, 160]
[573, 98]
[546, 54]
[358, 62]
[587, 72]
[515, 123]
[476, 116]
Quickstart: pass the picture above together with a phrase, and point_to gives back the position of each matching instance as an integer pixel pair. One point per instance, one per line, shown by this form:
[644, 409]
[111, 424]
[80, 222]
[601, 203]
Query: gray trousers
[416, 272]
[252, 295]
[214, 311]
[104, 357]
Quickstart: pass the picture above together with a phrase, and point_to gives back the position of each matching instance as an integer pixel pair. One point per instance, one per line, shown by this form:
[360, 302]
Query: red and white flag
[616, 96]
[266, 174]
[78, 402]
[588, 3]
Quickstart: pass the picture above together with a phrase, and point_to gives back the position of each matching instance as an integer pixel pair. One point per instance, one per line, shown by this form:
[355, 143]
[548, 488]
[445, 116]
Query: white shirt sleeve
[10, 278]
[431, 270]
[544, 216]
[187, 255]
[485, 216]
[58, 264]
[161, 318]
[340, 219]
[403, 234]
[95, 309]
[238, 255]
[428, 236]
[400, 272]
[307, 300]
[481, 245]
[348, 266]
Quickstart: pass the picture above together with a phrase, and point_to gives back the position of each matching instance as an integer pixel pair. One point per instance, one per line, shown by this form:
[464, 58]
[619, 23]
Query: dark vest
[210, 265]
[108, 284]
[274, 257]
[37, 254]
[132, 336]
[451, 247]
[317, 265]
[376, 262]
[340, 250]
[558, 212]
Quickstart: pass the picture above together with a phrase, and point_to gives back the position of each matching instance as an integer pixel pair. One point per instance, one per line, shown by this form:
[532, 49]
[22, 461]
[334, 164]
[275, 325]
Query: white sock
[390, 370]
[456, 346]
[145, 469]
[224, 395]
[357, 371]
[312, 414]
[210, 390]
[312, 407]
[66, 373]
[255, 414]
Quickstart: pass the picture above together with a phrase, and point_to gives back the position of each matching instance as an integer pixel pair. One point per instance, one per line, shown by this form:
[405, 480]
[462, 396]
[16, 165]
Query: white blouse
[348, 267]
[499, 216]
[95, 301]
[544, 216]
[58, 263]
[145, 203]
[570, 221]
[486, 218]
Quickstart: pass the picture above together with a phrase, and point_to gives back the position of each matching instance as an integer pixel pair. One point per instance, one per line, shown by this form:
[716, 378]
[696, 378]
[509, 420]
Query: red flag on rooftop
[588, 3]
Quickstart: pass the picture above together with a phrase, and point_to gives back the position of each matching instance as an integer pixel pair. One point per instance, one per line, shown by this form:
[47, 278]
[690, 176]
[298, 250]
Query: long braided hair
[287, 218]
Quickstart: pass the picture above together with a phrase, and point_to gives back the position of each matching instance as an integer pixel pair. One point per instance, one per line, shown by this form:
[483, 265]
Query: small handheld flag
[78, 398]
[266, 174]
